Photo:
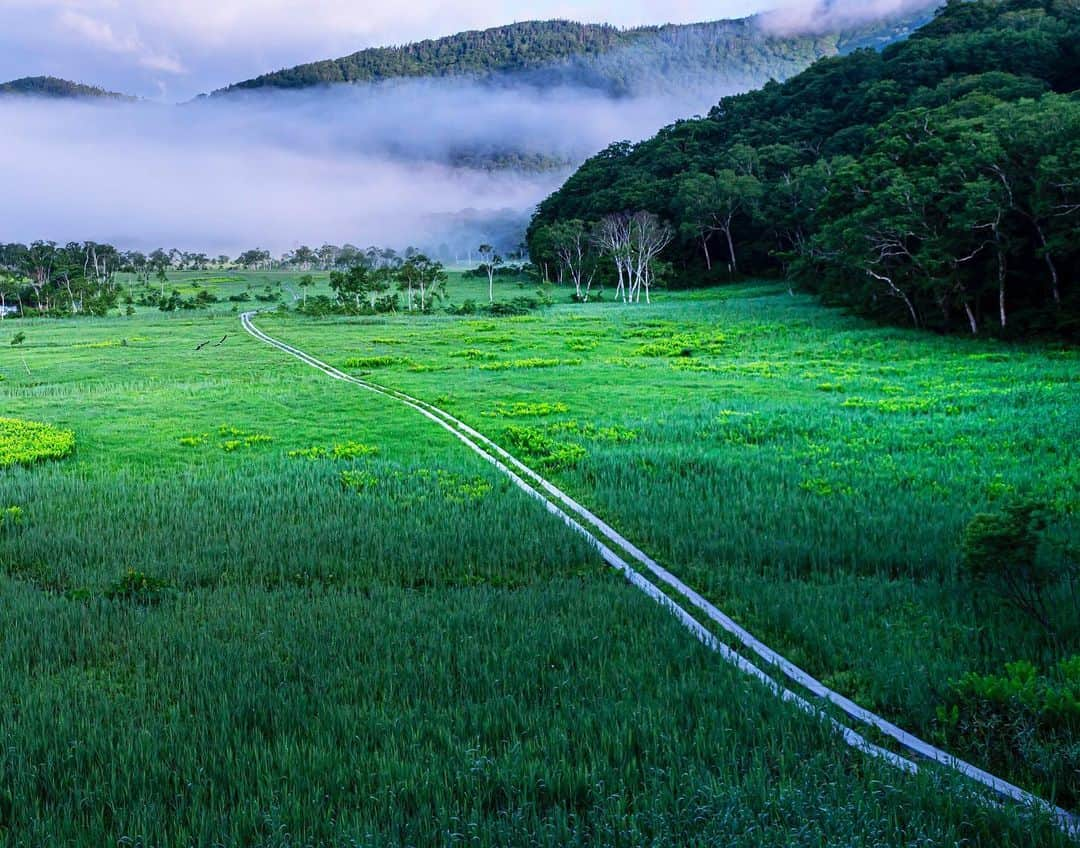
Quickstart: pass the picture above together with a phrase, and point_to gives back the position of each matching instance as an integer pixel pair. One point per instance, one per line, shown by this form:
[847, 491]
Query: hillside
[56, 88]
[934, 183]
[600, 56]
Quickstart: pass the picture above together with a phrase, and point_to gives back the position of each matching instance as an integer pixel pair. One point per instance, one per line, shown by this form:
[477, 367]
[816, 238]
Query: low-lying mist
[391, 163]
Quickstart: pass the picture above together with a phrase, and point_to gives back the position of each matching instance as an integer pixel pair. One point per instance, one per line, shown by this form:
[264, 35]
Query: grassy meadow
[256, 606]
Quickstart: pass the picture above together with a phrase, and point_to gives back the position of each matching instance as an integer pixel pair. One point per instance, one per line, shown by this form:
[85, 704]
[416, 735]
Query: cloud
[101, 34]
[275, 169]
[820, 16]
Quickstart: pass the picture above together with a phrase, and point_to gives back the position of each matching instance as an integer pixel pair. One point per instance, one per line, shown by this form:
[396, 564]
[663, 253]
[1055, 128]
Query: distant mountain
[620, 62]
[57, 88]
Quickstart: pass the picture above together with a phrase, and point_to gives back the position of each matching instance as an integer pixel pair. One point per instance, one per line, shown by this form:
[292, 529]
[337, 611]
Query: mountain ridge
[58, 88]
[560, 51]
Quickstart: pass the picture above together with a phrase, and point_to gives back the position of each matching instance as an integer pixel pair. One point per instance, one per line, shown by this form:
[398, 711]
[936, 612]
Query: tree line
[560, 52]
[935, 184]
[80, 278]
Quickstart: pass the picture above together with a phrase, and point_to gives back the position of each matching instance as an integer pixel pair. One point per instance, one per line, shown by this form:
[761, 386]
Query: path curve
[517, 471]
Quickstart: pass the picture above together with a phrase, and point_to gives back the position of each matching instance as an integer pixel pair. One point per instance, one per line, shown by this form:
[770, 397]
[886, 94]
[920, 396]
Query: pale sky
[175, 49]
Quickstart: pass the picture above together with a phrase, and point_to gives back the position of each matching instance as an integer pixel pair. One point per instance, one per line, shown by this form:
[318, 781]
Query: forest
[617, 61]
[935, 183]
[55, 87]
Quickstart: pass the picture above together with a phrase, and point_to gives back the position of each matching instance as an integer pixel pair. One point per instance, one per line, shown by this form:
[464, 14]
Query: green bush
[1021, 718]
[134, 585]
[1001, 550]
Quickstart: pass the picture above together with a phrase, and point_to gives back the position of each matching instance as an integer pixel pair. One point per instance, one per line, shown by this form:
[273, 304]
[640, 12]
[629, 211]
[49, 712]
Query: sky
[172, 50]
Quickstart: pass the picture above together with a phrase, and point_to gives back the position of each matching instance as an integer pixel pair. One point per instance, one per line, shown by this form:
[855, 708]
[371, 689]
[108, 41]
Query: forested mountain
[620, 62]
[56, 87]
[935, 183]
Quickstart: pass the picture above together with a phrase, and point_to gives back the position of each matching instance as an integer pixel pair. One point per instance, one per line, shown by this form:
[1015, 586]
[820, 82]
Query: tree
[159, 262]
[38, 266]
[634, 243]
[710, 204]
[303, 257]
[1001, 550]
[8, 290]
[648, 238]
[327, 256]
[491, 260]
[611, 235]
[572, 244]
[420, 274]
[305, 282]
[977, 110]
[352, 284]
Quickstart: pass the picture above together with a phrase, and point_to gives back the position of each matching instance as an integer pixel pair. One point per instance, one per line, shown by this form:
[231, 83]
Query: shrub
[1001, 551]
[136, 586]
[1021, 717]
[517, 306]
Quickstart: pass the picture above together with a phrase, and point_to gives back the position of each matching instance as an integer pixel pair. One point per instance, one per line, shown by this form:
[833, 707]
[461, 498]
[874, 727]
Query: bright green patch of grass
[26, 442]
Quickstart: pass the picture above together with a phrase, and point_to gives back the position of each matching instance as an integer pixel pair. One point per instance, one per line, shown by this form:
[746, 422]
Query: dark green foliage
[137, 587]
[1021, 720]
[548, 53]
[55, 87]
[934, 183]
[78, 278]
[1002, 551]
[522, 305]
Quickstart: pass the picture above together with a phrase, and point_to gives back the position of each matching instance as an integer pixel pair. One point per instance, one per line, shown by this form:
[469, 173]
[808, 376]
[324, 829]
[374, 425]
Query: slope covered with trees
[56, 87]
[936, 183]
[596, 55]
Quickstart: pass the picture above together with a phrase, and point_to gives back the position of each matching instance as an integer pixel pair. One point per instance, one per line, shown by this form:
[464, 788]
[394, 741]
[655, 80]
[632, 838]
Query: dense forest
[934, 183]
[621, 62]
[56, 87]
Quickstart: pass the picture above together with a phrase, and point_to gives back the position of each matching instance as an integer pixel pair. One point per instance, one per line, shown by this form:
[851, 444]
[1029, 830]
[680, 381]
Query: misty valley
[550, 434]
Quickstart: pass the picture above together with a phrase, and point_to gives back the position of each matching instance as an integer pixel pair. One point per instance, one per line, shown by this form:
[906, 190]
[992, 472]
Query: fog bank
[360, 164]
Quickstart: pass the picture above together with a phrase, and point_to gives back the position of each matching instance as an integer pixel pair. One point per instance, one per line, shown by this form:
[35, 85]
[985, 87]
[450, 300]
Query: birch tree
[573, 248]
[490, 261]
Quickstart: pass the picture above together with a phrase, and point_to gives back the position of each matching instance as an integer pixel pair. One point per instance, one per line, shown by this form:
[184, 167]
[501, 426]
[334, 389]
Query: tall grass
[389, 646]
[812, 475]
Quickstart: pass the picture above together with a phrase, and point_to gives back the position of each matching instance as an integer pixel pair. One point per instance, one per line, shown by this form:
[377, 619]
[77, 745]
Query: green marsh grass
[393, 646]
[827, 521]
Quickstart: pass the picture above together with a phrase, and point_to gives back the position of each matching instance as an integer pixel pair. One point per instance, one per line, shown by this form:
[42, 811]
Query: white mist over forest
[396, 163]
